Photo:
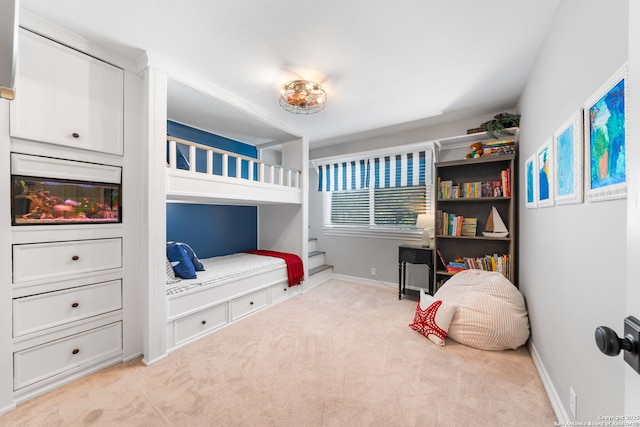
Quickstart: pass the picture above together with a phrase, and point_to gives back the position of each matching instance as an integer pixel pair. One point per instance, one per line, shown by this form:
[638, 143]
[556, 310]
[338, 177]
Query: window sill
[374, 233]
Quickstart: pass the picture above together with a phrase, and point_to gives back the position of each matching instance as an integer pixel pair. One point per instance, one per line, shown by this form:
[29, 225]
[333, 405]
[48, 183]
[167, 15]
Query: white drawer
[207, 320]
[46, 261]
[38, 312]
[249, 303]
[281, 291]
[44, 361]
[190, 301]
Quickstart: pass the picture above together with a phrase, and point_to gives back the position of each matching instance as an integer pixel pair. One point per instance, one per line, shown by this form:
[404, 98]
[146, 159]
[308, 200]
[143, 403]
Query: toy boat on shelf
[495, 226]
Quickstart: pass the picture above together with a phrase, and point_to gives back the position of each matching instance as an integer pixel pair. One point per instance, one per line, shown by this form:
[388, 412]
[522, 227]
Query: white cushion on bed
[491, 313]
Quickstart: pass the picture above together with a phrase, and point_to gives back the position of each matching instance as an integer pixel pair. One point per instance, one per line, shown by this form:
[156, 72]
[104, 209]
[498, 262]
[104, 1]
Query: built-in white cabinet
[66, 97]
[66, 247]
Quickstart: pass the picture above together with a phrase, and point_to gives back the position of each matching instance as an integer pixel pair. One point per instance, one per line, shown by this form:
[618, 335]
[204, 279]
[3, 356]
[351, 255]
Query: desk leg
[400, 280]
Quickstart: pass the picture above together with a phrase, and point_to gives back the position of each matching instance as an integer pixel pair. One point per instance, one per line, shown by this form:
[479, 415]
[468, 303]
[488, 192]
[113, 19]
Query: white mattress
[222, 269]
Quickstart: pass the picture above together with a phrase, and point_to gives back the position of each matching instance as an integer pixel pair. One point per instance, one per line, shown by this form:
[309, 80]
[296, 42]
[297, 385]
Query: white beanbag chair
[491, 313]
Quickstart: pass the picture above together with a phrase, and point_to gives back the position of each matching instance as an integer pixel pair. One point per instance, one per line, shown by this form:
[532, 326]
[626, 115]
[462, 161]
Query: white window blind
[399, 206]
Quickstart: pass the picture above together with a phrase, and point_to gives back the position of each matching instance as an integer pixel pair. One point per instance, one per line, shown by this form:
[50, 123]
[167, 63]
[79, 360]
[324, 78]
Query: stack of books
[494, 262]
[449, 224]
[498, 147]
[500, 187]
[469, 227]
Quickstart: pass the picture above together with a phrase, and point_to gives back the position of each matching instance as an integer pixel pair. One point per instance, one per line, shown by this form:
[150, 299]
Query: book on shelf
[500, 187]
[449, 224]
[492, 262]
[469, 227]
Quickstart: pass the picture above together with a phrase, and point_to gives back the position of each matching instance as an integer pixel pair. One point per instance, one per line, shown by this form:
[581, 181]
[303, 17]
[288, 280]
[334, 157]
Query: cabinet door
[66, 97]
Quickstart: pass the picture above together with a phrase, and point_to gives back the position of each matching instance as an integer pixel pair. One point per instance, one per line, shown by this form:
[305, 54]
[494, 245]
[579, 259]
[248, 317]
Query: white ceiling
[382, 63]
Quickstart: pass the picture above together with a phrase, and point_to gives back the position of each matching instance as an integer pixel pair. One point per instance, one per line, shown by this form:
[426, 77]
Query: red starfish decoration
[425, 321]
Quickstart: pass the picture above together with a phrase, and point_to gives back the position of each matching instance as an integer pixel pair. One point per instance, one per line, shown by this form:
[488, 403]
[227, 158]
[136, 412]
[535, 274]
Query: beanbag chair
[491, 313]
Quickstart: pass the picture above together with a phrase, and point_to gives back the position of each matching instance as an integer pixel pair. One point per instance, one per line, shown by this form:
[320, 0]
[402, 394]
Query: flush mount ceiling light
[302, 97]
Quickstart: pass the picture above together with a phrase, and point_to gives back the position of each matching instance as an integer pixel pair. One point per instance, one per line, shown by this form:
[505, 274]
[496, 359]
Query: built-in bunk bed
[255, 204]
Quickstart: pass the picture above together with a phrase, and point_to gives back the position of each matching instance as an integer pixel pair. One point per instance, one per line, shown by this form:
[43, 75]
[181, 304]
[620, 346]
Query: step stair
[318, 271]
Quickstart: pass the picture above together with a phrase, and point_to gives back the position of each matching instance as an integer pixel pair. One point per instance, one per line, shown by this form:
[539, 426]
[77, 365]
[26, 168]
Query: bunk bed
[232, 286]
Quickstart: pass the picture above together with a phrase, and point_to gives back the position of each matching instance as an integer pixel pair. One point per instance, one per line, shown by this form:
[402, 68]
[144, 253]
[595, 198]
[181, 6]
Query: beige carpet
[341, 354]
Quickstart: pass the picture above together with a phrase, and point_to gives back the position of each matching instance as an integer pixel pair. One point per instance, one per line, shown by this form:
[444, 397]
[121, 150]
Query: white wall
[572, 257]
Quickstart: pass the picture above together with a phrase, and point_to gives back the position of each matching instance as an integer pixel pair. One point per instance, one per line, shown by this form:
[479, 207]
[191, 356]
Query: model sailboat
[495, 226]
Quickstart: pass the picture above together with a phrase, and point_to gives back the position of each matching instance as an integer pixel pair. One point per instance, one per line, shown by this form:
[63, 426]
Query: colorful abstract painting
[530, 182]
[568, 161]
[544, 158]
[605, 134]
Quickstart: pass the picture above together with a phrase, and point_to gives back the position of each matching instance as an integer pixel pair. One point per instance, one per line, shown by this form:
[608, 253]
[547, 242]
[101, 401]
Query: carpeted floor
[341, 354]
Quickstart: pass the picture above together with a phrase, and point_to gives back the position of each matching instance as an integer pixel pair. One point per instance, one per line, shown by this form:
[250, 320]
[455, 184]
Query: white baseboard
[7, 409]
[362, 280]
[554, 398]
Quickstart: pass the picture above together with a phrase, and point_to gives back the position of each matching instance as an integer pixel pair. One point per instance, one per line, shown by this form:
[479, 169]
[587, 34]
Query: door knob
[611, 344]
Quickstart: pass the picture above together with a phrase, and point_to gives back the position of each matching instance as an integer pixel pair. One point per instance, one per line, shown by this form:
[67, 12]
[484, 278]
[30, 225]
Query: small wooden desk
[413, 255]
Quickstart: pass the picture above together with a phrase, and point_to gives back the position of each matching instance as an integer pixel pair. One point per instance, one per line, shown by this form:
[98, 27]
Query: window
[377, 194]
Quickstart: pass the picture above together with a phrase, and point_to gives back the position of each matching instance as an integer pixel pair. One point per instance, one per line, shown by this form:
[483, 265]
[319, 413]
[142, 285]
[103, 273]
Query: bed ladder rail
[257, 170]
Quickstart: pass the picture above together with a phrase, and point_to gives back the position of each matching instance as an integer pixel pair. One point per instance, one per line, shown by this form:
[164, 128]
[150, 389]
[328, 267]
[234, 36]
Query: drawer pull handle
[75, 305]
[76, 351]
[75, 135]
[204, 322]
[75, 257]
[251, 303]
[285, 289]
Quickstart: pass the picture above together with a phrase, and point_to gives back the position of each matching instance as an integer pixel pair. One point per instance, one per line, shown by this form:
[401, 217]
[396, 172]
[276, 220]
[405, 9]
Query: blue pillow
[192, 255]
[180, 261]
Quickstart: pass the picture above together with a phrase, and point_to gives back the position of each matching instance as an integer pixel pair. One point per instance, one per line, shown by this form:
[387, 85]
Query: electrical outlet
[373, 271]
[573, 402]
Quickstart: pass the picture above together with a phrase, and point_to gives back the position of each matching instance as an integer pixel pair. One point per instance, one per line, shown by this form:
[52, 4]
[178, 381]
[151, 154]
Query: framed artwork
[544, 174]
[605, 140]
[531, 196]
[567, 154]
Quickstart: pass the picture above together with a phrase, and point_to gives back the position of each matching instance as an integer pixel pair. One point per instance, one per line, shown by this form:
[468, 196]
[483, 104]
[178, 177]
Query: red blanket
[295, 268]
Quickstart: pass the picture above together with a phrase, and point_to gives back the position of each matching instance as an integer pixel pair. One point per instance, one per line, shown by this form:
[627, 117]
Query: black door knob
[609, 343]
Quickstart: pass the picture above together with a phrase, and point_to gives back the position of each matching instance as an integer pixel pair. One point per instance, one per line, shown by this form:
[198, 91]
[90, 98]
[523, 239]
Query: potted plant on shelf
[499, 125]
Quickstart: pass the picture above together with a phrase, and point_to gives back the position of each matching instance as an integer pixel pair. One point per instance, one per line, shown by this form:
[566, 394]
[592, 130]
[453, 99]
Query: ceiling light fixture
[302, 97]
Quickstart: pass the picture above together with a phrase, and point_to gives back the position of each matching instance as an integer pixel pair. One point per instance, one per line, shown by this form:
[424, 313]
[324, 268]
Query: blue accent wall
[213, 230]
